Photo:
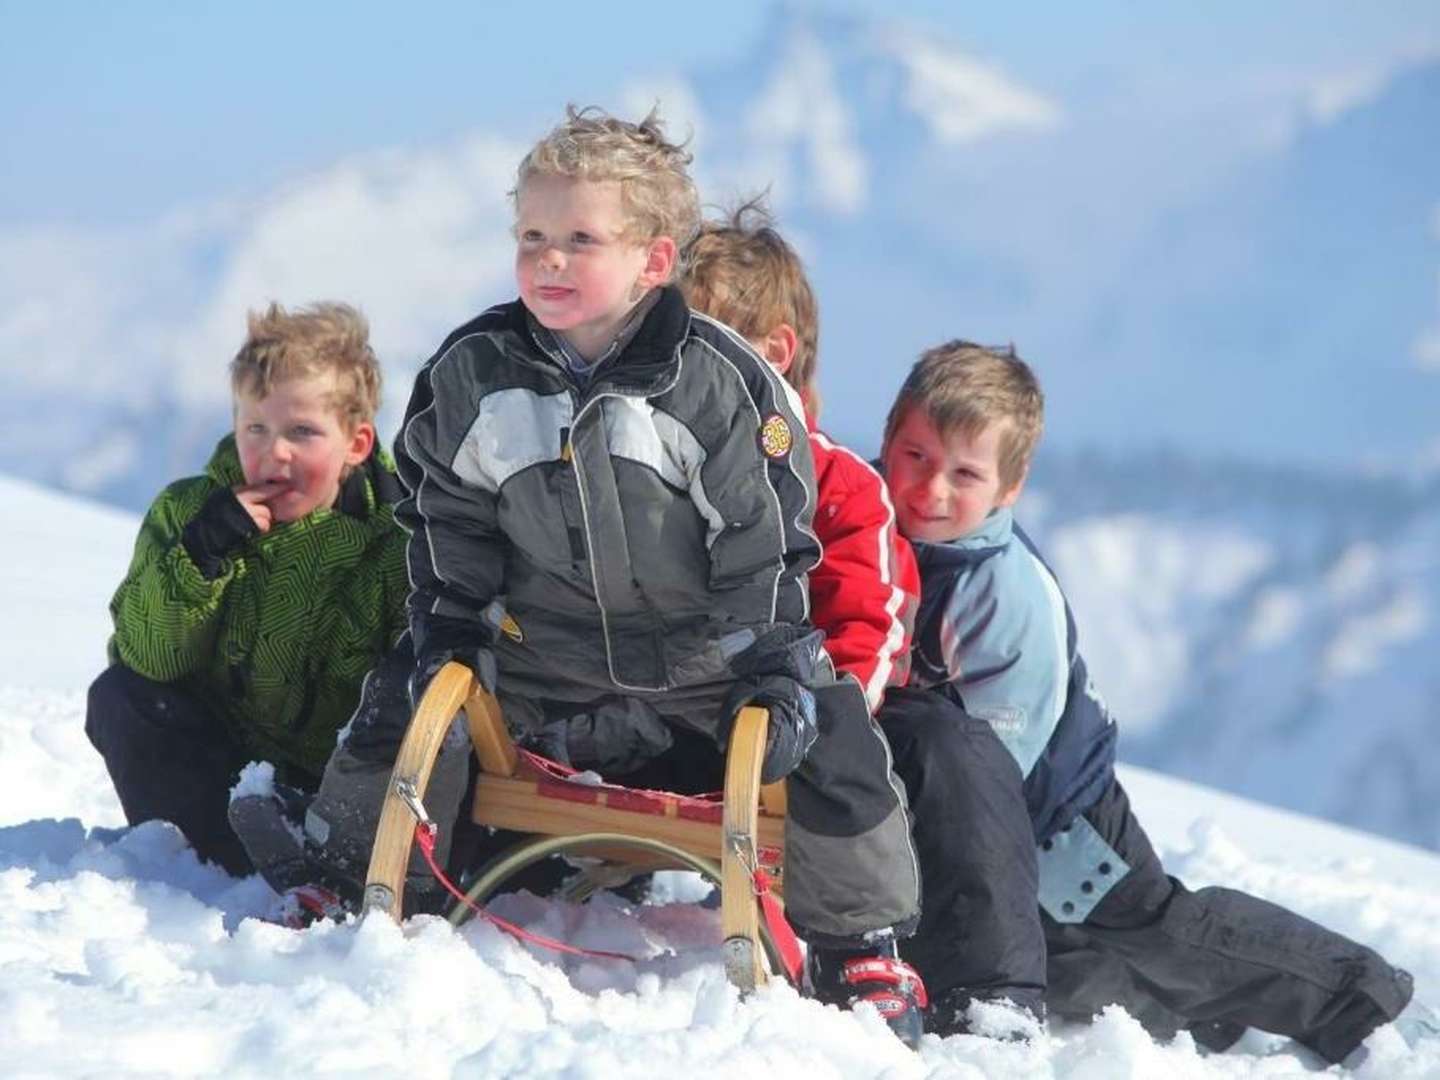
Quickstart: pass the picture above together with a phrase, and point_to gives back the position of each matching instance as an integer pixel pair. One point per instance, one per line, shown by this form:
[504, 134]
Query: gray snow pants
[341, 822]
[850, 864]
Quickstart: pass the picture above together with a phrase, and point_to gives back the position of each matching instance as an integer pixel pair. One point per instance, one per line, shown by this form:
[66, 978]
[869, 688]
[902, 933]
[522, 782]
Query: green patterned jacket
[279, 642]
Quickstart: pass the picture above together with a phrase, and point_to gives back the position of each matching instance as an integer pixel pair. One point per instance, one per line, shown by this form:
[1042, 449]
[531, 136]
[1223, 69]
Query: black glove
[479, 658]
[774, 672]
[439, 640]
[218, 531]
[793, 727]
[614, 736]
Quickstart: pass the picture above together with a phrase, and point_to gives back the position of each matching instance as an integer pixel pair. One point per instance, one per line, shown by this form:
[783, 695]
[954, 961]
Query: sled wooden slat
[739, 913]
[518, 803]
[385, 880]
[772, 796]
[511, 794]
[493, 745]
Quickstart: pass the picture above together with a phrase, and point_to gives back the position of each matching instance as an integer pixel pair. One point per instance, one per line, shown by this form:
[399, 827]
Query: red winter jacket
[864, 592]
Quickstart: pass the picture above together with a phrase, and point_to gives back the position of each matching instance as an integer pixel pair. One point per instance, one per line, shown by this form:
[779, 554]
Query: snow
[256, 778]
[68, 558]
[122, 954]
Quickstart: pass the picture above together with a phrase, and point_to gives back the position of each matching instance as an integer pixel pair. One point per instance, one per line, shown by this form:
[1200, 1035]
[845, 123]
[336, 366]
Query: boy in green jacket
[260, 593]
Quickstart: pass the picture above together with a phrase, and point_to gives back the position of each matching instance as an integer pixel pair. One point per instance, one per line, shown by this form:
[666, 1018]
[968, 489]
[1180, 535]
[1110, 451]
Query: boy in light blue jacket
[1055, 896]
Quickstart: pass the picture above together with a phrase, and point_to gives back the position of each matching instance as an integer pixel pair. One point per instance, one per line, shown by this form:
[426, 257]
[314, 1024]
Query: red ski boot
[880, 977]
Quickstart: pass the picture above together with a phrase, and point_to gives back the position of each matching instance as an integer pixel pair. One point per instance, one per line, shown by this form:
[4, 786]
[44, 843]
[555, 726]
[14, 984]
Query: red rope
[781, 932]
[425, 837]
[557, 771]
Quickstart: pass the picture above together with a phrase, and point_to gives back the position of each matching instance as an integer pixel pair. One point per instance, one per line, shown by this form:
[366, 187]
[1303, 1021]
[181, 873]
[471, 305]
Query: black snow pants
[850, 865]
[1213, 961]
[171, 759]
[979, 931]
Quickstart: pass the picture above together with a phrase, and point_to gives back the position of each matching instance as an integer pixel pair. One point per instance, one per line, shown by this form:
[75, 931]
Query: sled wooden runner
[744, 833]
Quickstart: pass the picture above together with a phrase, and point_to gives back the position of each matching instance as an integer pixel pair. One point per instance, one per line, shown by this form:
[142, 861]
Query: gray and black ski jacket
[640, 530]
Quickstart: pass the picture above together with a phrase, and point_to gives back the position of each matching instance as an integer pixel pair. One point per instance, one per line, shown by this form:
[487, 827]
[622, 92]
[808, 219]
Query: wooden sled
[728, 843]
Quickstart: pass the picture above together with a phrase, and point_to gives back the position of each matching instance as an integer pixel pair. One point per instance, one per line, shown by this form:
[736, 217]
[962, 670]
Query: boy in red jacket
[741, 272]
[863, 592]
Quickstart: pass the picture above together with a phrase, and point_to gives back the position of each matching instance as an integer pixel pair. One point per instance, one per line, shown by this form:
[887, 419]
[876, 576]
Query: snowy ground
[127, 957]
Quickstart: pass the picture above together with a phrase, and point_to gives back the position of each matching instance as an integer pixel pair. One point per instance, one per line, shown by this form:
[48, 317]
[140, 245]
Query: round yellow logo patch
[775, 437]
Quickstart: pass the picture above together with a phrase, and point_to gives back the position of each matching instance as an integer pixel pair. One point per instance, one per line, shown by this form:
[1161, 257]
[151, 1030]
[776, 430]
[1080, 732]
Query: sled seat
[520, 792]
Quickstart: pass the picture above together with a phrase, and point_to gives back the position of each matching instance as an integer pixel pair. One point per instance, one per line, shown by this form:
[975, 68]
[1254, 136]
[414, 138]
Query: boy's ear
[778, 347]
[660, 258]
[362, 441]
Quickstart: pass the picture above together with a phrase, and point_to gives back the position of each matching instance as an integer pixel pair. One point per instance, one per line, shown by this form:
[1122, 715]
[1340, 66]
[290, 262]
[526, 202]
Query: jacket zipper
[591, 400]
[590, 547]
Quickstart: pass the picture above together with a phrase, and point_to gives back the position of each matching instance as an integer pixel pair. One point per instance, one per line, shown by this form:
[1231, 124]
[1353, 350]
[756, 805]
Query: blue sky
[120, 111]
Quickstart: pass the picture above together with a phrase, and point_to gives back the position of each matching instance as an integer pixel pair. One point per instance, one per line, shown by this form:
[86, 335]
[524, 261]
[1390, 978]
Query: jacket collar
[640, 365]
[370, 486]
[980, 543]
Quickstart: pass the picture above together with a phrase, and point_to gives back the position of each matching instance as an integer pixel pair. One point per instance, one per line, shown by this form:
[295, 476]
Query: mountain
[1226, 269]
[1268, 299]
[1304, 290]
[1270, 631]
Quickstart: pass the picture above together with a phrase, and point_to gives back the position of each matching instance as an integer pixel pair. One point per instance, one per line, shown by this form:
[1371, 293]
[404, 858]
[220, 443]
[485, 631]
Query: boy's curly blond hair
[656, 192]
[741, 271]
[963, 387]
[325, 336]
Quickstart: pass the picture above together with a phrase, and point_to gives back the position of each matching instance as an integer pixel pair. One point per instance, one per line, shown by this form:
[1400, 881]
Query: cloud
[1358, 646]
[417, 238]
[963, 99]
[1333, 94]
[802, 105]
[679, 108]
[81, 310]
[1426, 349]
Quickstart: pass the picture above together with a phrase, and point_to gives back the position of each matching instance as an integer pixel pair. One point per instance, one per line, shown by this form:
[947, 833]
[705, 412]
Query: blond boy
[1089, 918]
[637, 484]
[260, 592]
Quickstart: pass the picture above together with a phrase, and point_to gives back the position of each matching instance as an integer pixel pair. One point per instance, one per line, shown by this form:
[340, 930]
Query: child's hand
[229, 518]
[255, 498]
[793, 727]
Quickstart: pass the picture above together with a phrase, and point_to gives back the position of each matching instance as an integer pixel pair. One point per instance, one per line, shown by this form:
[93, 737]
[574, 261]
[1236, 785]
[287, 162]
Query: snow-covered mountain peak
[831, 103]
[961, 97]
